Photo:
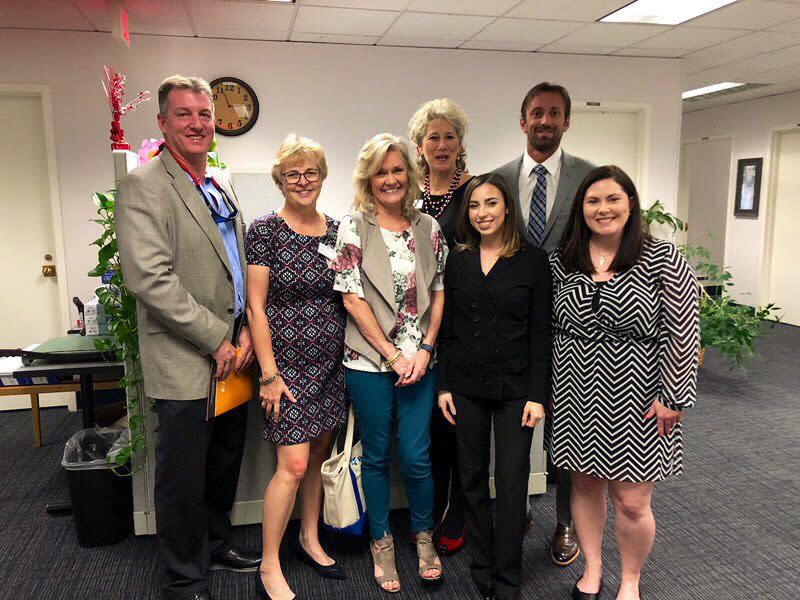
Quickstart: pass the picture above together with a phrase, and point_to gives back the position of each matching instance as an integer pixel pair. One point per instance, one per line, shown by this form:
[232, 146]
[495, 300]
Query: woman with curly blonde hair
[438, 129]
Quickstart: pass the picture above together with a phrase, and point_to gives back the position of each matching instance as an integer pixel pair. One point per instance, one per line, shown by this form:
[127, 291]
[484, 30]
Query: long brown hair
[469, 238]
[574, 245]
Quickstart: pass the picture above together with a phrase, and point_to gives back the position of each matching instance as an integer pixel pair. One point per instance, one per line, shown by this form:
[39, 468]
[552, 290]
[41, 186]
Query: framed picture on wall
[748, 187]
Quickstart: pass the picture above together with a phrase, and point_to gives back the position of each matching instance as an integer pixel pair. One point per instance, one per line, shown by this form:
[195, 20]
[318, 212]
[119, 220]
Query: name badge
[326, 251]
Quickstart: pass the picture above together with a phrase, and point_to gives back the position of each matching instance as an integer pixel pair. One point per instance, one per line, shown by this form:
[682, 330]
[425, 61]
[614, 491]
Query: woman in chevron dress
[625, 346]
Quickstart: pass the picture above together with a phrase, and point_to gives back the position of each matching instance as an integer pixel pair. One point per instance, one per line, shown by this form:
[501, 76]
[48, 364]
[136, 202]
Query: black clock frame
[253, 119]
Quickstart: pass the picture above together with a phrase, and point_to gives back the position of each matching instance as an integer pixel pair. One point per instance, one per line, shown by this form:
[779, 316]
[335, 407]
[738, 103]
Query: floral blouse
[406, 334]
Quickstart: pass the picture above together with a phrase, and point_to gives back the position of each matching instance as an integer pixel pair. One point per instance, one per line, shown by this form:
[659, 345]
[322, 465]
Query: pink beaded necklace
[434, 206]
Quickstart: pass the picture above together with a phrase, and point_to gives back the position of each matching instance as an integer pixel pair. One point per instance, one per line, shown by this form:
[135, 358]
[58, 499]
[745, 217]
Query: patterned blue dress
[306, 321]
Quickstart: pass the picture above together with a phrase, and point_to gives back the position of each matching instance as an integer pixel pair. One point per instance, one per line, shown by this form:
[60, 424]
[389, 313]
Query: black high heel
[334, 571]
[579, 595]
[261, 591]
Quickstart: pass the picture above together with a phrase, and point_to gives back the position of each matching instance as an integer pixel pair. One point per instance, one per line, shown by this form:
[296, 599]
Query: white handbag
[343, 509]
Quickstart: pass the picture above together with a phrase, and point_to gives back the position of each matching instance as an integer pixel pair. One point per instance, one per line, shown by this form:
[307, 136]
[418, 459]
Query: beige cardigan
[376, 278]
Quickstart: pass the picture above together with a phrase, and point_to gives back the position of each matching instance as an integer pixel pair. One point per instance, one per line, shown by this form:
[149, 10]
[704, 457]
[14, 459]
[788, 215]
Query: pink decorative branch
[114, 87]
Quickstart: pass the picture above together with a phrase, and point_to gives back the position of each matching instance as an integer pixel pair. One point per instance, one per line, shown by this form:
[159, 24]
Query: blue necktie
[537, 216]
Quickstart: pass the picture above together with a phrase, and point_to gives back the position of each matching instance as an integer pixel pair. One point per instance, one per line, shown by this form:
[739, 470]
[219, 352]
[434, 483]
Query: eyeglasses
[293, 177]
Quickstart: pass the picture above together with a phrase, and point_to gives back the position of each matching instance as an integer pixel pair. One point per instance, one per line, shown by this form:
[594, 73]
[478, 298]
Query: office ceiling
[751, 41]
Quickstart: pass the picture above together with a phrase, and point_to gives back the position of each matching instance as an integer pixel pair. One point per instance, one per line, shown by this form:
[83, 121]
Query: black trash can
[102, 501]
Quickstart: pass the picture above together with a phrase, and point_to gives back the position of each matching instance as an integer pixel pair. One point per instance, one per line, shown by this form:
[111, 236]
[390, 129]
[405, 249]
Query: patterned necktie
[537, 216]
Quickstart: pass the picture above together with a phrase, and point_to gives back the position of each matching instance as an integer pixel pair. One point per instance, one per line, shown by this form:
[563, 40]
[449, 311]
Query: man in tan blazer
[180, 239]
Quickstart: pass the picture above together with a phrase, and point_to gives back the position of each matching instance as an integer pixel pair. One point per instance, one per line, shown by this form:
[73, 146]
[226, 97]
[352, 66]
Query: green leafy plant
[122, 340]
[726, 326]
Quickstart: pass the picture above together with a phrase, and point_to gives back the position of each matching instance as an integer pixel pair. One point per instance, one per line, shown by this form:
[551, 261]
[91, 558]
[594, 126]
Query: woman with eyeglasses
[297, 323]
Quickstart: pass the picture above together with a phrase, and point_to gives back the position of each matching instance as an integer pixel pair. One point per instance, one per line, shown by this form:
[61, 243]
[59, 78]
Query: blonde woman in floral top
[389, 263]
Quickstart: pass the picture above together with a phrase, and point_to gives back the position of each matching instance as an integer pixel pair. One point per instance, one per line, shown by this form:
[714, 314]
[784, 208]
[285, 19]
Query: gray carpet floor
[728, 528]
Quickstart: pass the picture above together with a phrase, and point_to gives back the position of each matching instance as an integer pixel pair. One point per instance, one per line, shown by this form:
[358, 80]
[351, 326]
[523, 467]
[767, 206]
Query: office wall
[339, 95]
[751, 124]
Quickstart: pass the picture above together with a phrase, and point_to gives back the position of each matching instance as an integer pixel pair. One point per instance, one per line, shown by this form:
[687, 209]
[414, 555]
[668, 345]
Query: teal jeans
[378, 405]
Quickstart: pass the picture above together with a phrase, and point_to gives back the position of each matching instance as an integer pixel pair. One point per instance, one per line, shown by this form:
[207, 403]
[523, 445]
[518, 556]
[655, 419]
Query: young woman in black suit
[494, 369]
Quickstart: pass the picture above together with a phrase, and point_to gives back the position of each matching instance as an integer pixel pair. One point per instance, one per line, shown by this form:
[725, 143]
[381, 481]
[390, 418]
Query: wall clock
[235, 106]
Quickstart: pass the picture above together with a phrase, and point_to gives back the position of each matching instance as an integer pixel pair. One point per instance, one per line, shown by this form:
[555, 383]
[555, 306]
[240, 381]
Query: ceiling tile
[689, 38]
[778, 59]
[524, 34]
[790, 26]
[441, 31]
[560, 48]
[567, 10]
[371, 4]
[161, 17]
[748, 14]
[783, 75]
[332, 38]
[500, 45]
[45, 14]
[348, 21]
[652, 52]
[491, 8]
[240, 20]
[737, 49]
[604, 36]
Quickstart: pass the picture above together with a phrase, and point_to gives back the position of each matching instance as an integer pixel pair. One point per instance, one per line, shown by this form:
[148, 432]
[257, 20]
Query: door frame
[45, 95]
[768, 202]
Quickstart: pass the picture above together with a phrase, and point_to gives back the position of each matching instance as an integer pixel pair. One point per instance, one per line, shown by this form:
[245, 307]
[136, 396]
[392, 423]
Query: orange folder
[233, 391]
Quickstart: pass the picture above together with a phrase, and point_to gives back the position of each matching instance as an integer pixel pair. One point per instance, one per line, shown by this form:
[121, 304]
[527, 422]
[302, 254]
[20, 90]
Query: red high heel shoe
[448, 546]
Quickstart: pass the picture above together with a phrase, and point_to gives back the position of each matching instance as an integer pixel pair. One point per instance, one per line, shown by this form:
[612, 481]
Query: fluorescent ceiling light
[664, 12]
[709, 89]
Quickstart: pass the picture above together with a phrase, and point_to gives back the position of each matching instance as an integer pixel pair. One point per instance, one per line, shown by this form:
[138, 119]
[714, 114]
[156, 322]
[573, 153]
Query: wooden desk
[47, 388]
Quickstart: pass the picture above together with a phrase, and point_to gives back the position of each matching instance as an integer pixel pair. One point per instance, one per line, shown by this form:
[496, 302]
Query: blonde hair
[198, 85]
[440, 108]
[295, 149]
[369, 161]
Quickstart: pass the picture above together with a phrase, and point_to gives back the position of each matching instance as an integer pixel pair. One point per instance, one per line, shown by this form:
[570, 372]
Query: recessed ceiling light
[709, 89]
[664, 13]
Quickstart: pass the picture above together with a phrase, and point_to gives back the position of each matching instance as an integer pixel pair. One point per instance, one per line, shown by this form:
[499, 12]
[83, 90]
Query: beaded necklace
[434, 206]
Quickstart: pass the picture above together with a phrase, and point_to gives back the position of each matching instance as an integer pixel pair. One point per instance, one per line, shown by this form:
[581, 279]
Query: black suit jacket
[495, 337]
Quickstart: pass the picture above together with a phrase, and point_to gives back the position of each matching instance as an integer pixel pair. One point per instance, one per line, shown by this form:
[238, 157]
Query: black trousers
[447, 498]
[495, 545]
[563, 489]
[197, 469]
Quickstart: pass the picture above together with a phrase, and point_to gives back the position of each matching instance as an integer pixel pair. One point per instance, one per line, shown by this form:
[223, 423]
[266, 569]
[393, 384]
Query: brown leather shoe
[564, 549]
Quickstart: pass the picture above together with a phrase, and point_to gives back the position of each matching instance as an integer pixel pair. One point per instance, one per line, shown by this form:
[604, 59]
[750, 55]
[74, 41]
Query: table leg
[87, 395]
[37, 425]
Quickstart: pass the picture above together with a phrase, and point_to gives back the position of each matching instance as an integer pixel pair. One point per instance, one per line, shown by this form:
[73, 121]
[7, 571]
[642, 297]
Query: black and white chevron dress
[638, 343]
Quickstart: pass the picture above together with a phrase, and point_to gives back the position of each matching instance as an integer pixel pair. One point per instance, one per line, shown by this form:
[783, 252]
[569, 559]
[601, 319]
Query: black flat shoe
[579, 595]
[485, 589]
[334, 571]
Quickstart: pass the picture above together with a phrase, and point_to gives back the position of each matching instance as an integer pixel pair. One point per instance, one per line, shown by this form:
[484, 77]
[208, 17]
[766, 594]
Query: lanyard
[233, 210]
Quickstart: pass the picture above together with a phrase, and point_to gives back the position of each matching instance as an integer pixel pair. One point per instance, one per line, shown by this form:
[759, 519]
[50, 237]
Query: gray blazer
[376, 278]
[573, 170]
[175, 264]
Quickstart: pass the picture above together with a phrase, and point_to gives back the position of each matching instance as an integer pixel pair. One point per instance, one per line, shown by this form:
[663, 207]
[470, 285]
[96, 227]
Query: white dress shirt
[527, 181]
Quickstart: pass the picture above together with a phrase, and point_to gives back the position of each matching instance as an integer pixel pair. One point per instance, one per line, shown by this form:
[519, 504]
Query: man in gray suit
[180, 239]
[543, 182]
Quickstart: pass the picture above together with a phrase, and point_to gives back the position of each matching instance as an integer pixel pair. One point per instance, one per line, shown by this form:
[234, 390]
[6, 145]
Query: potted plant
[725, 325]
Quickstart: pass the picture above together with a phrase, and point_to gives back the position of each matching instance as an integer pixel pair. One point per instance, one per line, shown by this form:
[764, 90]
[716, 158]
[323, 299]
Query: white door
[29, 304]
[785, 269]
[704, 179]
[608, 137]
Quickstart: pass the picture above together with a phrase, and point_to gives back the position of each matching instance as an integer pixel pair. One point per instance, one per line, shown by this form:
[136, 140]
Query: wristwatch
[427, 347]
